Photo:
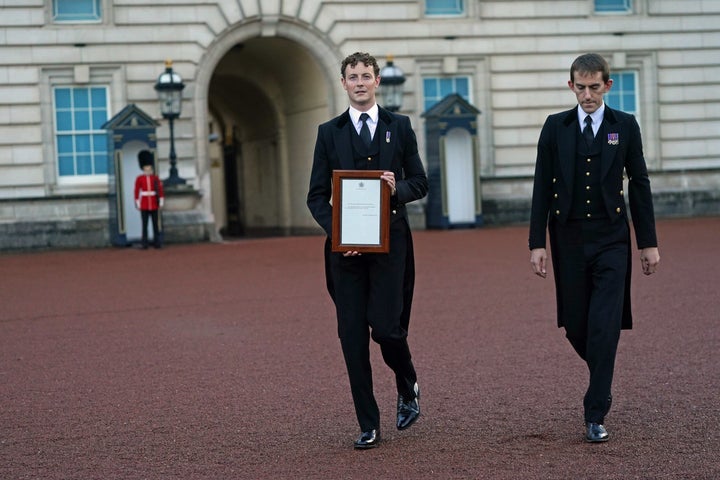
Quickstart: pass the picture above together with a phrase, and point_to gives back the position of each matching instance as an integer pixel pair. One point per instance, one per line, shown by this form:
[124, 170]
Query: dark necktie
[588, 131]
[365, 130]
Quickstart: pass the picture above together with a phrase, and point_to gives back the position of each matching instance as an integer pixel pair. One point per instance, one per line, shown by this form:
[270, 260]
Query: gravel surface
[221, 361]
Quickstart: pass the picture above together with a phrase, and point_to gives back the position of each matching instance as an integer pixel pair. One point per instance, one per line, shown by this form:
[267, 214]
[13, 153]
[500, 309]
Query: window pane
[62, 98]
[447, 86]
[100, 164]
[613, 6]
[430, 87]
[99, 117]
[82, 120]
[84, 165]
[98, 97]
[66, 165]
[99, 143]
[82, 143]
[64, 121]
[80, 98]
[444, 7]
[65, 144]
[462, 87]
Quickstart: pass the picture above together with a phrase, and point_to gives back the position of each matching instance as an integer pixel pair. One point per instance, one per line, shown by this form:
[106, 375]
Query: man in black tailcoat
[371, 291]
[582, 157]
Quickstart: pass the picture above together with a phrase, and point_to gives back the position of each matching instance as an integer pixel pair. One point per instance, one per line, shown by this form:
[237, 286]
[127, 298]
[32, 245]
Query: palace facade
[260, 75]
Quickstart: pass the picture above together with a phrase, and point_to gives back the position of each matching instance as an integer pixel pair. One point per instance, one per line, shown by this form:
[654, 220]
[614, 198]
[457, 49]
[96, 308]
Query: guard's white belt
[147, 194]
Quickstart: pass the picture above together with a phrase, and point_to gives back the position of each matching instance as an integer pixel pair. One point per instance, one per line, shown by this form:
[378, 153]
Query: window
[623, 95]
[613, 6]
[437, 88]
[81, 144]
[444, 7]
[76, 11]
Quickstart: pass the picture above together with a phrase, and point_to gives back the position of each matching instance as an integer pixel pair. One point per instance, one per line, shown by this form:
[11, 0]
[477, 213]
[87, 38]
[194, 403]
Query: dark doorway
[232, 160]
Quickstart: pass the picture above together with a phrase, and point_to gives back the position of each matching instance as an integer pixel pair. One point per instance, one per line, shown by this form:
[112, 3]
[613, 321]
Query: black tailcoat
[398, 153]
[555, 175]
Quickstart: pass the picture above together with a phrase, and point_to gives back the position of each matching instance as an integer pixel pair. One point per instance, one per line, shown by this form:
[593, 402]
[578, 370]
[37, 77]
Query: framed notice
[361, 212]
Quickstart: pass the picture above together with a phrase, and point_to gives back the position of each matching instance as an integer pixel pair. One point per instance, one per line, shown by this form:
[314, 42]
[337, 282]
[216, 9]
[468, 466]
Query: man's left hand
[389, 177]
[649, 258]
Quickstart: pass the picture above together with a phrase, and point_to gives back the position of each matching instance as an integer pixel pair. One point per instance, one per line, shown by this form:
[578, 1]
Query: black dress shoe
[369, 439]
[596, 433]
[408, 410]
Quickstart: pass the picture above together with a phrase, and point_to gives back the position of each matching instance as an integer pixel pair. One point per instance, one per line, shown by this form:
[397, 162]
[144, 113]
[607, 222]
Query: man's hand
[538, 260]
[389, 177]
[351, 253]
[649, 258]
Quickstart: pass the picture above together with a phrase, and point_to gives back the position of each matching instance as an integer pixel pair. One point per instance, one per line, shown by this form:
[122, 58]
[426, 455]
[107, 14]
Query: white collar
[372, 113]
[597, 116]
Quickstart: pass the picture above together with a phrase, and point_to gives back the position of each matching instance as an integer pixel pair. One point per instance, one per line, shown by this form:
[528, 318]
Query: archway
[267, 93]
[265, 99]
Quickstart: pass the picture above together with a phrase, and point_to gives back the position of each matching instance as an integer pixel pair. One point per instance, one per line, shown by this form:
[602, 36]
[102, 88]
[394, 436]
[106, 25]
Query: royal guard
[149, 198]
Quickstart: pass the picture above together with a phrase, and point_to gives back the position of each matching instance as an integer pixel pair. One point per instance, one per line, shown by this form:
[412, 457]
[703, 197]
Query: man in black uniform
[578, 194]
[372, 290]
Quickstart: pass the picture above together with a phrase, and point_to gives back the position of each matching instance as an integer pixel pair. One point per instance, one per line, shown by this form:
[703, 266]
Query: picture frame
[361, 212]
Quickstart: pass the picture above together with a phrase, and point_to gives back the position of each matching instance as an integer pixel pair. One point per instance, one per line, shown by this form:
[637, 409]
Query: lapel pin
[387, 137]
[613, 138]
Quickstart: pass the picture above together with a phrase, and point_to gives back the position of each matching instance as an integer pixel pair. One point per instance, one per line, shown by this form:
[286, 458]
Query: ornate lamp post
[391, 81]
[169, 88]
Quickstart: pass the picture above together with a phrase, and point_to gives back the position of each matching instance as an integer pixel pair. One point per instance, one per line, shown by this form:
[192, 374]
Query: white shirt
[371, 122]
[597, 118]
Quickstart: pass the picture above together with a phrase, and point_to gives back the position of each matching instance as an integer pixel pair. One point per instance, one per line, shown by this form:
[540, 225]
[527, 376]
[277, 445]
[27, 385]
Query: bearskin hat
[145, 157]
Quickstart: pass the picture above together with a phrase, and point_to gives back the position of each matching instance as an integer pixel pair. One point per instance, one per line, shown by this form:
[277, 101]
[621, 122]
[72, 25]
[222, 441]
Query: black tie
[365, 130]
[588, 131]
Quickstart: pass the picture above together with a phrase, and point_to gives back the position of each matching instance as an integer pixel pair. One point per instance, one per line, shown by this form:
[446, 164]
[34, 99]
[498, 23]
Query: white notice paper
[360, 211]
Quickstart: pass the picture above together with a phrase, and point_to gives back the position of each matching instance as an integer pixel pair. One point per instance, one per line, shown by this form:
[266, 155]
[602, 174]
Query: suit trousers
[152, 215]
[592, 261]
[368, 295]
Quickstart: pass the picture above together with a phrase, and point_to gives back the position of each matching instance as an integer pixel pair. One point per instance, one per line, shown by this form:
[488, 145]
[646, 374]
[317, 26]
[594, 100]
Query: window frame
[618, 91]
[628, 10]
[462, 10]
[112, 77]
[98, 5]
[74, 133]
[440, 78]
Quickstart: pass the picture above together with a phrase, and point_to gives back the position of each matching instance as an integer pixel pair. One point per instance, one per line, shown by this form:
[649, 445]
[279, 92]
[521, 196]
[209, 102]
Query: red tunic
[148, 192]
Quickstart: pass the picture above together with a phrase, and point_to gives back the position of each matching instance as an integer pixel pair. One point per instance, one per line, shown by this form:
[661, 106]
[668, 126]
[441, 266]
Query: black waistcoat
[587, 200]
[366, 158]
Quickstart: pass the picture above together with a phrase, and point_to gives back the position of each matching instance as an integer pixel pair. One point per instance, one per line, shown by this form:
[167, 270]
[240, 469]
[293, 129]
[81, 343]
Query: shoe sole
[600, 440]
[366, 447]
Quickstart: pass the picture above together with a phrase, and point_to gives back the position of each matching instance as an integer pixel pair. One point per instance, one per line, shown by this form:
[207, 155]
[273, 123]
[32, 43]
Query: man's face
[589, 89]
[360, 84]
[148, 169]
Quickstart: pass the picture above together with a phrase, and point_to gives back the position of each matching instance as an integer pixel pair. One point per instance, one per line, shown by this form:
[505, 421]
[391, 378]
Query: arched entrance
[265, 98]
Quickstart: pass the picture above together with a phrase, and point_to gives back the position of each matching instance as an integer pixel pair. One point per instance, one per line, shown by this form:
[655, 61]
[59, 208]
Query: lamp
[391, 81]
[169, 88]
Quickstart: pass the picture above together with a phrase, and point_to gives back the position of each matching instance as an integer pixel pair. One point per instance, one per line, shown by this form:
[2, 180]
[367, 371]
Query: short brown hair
[590, 63]
[360, 57]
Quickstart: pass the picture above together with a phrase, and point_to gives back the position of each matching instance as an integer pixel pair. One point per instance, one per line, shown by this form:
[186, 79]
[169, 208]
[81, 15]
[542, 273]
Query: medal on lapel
[387, 137]
[613, 138]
